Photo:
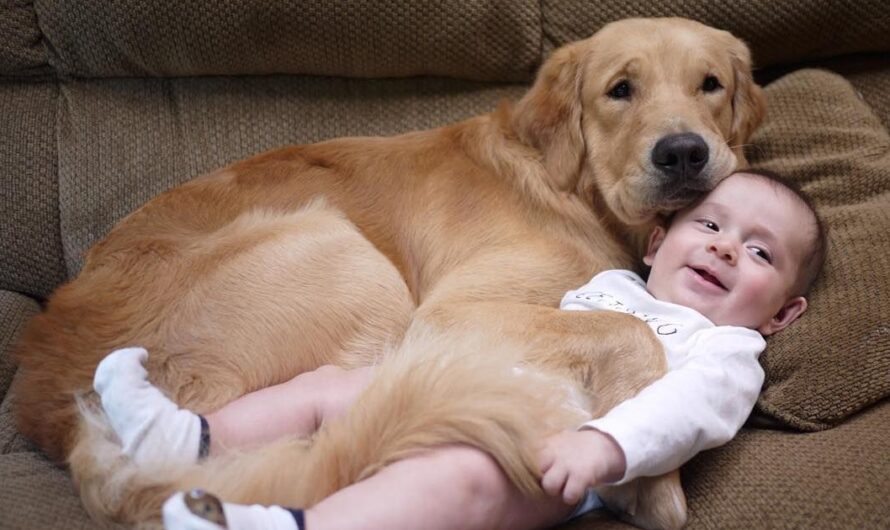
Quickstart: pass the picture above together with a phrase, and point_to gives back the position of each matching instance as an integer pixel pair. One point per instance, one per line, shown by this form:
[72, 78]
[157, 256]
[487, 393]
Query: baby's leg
[152, 428]
[293, 408]
[452, 488]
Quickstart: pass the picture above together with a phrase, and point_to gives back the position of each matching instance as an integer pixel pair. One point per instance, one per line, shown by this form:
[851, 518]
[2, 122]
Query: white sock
[152, 428]
[177, 516]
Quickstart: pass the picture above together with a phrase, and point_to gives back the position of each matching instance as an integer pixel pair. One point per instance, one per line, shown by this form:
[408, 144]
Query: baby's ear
[790, 311]
[655, 240]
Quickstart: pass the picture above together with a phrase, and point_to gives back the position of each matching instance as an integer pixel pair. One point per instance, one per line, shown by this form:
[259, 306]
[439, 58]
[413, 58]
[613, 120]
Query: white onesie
[712, 382]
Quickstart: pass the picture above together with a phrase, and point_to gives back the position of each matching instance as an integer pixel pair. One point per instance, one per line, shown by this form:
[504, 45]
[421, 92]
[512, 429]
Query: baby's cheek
[762, 299]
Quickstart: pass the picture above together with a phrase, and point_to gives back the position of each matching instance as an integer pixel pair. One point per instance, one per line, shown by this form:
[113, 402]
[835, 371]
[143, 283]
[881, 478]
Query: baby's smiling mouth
[708, 277]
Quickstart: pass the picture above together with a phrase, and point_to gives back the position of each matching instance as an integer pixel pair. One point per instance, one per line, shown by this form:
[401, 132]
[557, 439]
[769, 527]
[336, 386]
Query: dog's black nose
[680, 156]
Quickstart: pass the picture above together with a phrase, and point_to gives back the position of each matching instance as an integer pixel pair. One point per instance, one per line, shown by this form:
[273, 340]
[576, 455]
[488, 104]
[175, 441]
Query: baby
[728, 270]
[725, 272]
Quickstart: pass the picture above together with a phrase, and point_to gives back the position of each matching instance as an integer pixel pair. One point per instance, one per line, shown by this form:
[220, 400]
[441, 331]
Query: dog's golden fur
[450, 248]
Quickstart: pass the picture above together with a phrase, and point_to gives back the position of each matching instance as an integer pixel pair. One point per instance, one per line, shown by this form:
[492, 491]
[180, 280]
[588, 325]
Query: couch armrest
[837, 478]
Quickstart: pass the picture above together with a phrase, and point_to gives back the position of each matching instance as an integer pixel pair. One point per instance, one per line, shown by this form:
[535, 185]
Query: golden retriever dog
[442, 255]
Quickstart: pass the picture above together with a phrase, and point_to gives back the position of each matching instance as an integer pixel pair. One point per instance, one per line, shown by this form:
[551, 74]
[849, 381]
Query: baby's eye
[710, 225]
[762, 254]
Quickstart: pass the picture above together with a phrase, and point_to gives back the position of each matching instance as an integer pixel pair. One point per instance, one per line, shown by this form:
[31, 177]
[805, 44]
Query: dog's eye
[711, 84]
[621, 90]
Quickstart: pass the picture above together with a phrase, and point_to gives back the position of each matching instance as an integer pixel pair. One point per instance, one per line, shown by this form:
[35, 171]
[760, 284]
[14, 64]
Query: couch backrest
[475, 39]
[491, 40]
[778, 32]
[31, 259]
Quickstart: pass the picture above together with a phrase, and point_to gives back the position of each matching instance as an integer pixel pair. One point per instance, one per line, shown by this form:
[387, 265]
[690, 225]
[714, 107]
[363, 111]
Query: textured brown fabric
[21, 44]
[778, 480]
[481, 39]
[11, 440]
[15, 309]
[836, 359]
[121, 142]
[776, 31]
[35, 495]
[477, 39]
[869, 73]
[872, 82]
[30, 243]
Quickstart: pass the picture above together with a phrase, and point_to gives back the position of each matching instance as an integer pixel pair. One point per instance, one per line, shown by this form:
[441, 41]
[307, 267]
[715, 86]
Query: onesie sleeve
[700, 403]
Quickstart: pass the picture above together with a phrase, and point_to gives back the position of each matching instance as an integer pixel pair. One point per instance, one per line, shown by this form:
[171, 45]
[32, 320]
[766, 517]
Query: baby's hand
[573, 461]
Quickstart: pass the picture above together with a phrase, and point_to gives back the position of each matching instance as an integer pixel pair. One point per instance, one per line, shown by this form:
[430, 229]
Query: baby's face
[735, 256]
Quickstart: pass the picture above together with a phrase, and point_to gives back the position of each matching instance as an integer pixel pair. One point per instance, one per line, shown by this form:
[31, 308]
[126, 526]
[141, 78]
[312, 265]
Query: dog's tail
[433, 390]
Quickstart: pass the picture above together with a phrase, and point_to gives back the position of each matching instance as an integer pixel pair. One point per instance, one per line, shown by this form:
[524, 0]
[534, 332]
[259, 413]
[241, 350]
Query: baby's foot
[197, 510]
[152, 428]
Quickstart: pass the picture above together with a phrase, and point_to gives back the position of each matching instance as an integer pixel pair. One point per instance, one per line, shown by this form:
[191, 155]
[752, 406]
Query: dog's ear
[548, 117]
[748, 102]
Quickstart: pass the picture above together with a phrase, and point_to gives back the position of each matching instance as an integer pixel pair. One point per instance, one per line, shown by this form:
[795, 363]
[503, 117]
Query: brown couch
[105, 104]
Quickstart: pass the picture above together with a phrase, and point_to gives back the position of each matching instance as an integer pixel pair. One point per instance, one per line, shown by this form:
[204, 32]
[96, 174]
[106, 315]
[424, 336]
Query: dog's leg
[270, 296]
[286, 293]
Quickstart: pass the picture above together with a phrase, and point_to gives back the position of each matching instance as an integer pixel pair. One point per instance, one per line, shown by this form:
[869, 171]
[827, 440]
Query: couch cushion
[31, 254]
[767, 479]
[35, 494]
[777, 32]
[123, 141]
[836, 359]
[11, 440]
[477, 39]
[871, 77]
[22, 52]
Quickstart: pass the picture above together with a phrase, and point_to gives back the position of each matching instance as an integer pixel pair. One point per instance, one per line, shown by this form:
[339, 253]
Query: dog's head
[643, 116]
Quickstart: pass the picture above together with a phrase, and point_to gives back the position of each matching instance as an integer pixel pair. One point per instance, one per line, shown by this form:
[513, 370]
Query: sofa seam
[49, 50]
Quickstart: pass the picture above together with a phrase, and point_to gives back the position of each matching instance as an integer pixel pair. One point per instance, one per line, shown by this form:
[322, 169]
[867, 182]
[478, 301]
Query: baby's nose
[724, 250]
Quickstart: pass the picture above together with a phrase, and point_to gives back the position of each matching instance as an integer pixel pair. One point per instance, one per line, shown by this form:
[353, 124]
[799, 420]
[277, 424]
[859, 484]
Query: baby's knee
[482, 485]
[318, 380]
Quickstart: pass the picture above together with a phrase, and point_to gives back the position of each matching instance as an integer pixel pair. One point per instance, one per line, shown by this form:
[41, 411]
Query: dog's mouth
[668, 201]
[667, 197]
[708, 277]
[688, 191]
[651, 198]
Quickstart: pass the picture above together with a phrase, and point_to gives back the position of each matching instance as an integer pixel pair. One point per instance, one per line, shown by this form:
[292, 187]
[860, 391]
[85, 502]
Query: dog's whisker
[756, 147]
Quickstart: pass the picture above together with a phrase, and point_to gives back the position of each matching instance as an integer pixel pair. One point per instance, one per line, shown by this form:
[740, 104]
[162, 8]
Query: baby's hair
[811, 263]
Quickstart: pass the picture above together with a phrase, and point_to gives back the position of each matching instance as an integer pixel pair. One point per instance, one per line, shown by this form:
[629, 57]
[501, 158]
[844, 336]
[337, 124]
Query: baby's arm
[701, 403]
[573, 461]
